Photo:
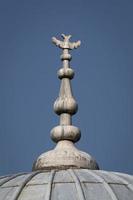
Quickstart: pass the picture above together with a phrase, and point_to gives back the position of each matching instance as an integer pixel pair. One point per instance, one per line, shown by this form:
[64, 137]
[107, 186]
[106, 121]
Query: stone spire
[65, 105]
[65, 154]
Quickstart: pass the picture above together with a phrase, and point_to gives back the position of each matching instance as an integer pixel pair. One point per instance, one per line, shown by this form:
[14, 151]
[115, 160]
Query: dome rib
[128, 185]
[5, 176]
[49, 186]
[18, 192]
[9, 178]
[106, 185]
[80, 192]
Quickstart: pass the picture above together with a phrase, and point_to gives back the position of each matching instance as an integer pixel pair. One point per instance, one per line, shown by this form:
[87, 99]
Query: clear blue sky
[103, 85]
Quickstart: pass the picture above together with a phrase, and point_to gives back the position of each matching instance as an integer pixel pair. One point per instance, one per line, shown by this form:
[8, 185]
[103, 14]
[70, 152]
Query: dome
[69, 184]
[65, 172]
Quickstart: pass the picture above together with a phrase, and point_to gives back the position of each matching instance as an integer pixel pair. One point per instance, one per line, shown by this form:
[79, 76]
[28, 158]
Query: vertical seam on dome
[49, 186]
[10, 178]
[128, 185]
[23, 184]
[106, 185]
[80, 192]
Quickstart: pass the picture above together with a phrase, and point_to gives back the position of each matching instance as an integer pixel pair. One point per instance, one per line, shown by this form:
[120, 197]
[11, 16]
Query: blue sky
[102, 85]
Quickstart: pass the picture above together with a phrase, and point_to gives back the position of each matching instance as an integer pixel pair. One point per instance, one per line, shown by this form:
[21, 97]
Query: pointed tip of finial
[66, 44]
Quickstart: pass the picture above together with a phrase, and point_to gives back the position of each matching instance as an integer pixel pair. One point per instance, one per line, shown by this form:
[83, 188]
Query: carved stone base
[65, 155]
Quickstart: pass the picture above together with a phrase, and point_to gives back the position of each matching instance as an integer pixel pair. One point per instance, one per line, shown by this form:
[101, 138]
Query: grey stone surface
[67, 184]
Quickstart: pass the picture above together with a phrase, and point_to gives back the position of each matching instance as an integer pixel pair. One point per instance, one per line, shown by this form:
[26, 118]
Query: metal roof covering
[70, 184]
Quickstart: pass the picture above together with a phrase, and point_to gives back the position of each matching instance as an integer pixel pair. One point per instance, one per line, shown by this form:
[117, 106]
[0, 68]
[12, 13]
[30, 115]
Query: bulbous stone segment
[66, 73]
[65, 132]
[64, 104]
[64, 156]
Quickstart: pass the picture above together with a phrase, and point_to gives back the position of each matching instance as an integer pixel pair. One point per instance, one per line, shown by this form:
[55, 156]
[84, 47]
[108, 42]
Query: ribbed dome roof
[70, 184]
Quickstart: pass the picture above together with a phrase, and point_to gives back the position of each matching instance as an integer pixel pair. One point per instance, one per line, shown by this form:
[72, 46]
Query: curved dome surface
[70, 184]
